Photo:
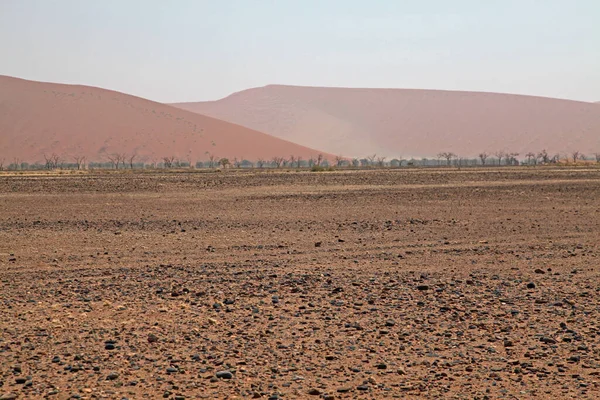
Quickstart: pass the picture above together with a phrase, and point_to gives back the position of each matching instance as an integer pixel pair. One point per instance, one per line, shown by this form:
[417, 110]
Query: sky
[192, 50]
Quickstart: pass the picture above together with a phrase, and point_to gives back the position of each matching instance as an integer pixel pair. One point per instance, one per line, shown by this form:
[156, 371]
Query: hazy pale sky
[187, 50]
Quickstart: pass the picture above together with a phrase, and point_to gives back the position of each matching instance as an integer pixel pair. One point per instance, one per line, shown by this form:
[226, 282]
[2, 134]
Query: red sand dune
[407, 122]
[71, 120]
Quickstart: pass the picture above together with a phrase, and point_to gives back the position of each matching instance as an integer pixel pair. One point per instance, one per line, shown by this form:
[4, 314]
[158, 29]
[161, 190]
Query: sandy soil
[411, 123]
[479, 284]
[38, 119]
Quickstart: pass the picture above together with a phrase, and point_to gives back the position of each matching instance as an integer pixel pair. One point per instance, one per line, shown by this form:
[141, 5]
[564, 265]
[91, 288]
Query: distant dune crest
[40, 119]
[411, 122]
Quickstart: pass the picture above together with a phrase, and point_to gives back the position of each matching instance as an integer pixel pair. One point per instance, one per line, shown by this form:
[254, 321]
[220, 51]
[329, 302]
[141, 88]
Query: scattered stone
[224, 375]
[112, 376]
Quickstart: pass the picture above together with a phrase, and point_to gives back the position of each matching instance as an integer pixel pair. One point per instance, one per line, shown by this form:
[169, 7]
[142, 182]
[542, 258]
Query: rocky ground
[475, 284]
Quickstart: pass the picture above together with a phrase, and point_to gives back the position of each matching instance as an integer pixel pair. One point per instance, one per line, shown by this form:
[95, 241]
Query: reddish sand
[71, 120]
[394, 122]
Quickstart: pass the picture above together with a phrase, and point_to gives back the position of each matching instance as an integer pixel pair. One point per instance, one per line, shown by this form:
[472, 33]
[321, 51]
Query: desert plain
[478, 283]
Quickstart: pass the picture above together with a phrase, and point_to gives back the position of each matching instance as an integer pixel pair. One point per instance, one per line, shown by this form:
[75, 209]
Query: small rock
[314, 392]
[224, 375]
[547, 340]
[574, 358]
[112, 376]
[423, 287]
[8, 396]
[152, 338]
[531, 285]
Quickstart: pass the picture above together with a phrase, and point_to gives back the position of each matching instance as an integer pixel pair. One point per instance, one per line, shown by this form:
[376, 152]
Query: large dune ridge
[411, 122]
[39, 119]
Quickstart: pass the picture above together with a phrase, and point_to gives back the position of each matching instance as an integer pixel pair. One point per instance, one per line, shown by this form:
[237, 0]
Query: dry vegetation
[480, 283]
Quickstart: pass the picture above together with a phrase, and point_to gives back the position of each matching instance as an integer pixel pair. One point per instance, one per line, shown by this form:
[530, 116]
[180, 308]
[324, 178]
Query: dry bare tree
[319, 159]
[169, 162]
[237, 163]
[511, 158]
[339, 160]
[16, 163]
[597, 156]
[118, 158]
[79, 161]
[355, 162]
[211, 160]
[48, 160]
[448, 155]
[381, 161]
[575, 156]
[131, 159]
[500, 155]
[278, 161]
[530, 156]
[483, 157]
[543, 156]
[371, 159]
[1, 164]
[298, 161]
[115, 160]
[53, 161]
[292, 161]
[260, 163]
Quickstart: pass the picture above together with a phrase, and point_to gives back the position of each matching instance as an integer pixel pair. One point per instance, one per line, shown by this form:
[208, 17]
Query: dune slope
[38, 119]
[410, 122]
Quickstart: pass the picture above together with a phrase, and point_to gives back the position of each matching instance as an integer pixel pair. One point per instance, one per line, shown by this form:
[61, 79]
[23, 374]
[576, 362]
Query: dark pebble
[224, 375]
[112, 376]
